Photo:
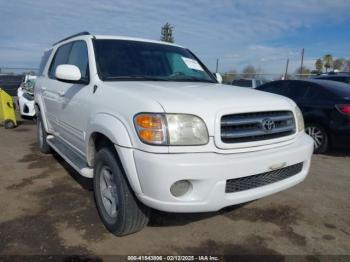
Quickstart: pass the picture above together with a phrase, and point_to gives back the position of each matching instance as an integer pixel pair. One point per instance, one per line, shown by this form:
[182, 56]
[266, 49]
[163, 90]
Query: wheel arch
[105, 129]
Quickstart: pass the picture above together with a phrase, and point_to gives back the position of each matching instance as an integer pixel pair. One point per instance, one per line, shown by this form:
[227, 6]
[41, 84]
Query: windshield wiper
[190, 79]
[135, 77]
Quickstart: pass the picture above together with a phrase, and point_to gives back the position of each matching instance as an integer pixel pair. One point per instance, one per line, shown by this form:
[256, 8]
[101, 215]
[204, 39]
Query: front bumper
[26, 107]
[208, 173]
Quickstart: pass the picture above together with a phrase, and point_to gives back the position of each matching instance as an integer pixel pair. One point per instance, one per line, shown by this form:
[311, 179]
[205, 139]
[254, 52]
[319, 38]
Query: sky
[237, 32]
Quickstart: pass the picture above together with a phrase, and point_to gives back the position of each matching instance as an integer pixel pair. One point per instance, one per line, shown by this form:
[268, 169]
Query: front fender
[110, 126]
[115, 130]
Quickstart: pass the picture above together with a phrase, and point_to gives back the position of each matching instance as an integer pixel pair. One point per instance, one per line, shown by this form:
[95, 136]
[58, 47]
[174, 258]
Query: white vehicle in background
[25, 94]
[246, 82]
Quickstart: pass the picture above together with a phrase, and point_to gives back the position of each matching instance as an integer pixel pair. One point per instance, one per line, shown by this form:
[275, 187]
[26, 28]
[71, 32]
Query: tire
[320, 137]
[9, 124]
[41, 136]
[120, 211]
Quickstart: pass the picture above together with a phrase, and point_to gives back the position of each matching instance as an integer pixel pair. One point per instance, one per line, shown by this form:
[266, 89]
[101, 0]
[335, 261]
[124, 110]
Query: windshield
[134, 60]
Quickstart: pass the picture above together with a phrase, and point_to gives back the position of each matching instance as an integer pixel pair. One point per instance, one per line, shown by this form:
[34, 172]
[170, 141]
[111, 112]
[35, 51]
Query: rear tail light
[345, 109]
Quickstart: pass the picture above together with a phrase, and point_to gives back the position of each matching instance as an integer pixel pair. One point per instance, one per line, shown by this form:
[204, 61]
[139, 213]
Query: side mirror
[218, 77]
[68, 73]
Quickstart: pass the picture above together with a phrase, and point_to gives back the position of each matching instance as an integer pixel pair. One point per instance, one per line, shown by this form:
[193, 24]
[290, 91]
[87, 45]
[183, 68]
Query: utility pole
[302, 62]
[217, 65]
[286, 72]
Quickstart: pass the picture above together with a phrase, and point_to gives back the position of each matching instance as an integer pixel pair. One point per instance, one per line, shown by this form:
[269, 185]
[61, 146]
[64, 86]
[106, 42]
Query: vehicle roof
[111, 37]
[333, 75]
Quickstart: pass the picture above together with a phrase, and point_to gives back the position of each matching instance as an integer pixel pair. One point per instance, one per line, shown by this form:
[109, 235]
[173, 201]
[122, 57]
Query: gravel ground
[48, 209]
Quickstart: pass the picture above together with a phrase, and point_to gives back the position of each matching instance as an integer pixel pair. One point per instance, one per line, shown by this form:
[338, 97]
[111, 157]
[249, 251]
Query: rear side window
[61, 57]
[318, 92]
[297, 89]
[44, 60]
[79, 57]
[242, 83]
[280, 88]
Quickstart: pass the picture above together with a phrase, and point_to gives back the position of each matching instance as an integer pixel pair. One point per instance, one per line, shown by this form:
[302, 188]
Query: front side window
[134, 60]
[79, 57]
[61, 57]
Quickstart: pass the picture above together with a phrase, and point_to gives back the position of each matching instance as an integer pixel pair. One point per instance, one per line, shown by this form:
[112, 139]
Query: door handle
[61, 93]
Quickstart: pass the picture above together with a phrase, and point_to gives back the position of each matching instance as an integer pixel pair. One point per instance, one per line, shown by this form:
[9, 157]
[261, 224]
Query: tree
[319, 65]
[338, 64]
[167, 33]
[228, 77]
[328, 61]
[347, 65]
[303, 72]
[249, 71]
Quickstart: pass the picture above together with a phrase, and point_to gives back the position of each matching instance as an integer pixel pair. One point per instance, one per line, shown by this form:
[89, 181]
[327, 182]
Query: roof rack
[69, 37]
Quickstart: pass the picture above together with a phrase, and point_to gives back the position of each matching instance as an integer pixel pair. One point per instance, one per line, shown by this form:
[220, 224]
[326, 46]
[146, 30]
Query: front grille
[250, 127]
[250, 182]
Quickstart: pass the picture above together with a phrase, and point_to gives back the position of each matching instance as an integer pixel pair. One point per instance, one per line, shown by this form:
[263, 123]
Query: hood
[206, 100]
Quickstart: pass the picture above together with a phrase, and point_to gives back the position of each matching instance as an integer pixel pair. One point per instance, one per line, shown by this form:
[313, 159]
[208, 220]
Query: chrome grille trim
[249, 127]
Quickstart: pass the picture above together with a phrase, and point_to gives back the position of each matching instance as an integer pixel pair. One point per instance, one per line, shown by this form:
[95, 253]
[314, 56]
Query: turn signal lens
[149, 121]
[151, 135]
[345, 109]
[151, 128]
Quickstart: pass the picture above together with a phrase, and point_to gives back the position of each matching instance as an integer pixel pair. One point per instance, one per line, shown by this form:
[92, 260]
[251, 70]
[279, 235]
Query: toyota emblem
[268, 125]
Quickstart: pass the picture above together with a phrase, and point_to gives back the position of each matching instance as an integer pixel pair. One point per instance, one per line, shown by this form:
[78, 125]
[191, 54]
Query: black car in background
[339, 77]
[325, 105]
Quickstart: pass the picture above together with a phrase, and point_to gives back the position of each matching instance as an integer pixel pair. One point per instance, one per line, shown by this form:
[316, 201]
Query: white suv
[154, 129]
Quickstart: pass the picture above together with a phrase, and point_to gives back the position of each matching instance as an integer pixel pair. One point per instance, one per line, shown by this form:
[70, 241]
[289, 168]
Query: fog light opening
[180, 188]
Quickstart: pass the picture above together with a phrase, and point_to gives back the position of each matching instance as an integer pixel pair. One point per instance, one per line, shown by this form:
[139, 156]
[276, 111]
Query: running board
[70, 156]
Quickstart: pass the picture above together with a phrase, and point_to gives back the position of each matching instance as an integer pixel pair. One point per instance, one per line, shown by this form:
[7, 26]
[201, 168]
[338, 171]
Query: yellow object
[7, 110]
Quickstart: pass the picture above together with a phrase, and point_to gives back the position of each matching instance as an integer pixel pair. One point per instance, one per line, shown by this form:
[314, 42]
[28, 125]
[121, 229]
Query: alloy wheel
[317, 135]
[108, 192]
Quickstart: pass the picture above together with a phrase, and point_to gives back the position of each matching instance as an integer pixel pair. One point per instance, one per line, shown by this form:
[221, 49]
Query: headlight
[300, 119]
[28, 96]
[171, 129]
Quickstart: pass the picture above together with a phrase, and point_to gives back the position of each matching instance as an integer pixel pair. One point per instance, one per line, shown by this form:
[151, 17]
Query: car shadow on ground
[165, 219]
[158, 218]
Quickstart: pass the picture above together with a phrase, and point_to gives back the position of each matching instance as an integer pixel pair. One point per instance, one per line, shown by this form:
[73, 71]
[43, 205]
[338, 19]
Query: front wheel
[320, 137]
[119, 209]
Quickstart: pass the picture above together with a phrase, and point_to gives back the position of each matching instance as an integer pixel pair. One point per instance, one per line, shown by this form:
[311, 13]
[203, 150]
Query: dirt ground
[47, 208]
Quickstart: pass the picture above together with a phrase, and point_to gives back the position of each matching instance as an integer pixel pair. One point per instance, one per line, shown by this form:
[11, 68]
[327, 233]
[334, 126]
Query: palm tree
[319, 65]
[338, 64]
[328, 61]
